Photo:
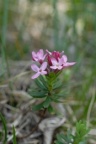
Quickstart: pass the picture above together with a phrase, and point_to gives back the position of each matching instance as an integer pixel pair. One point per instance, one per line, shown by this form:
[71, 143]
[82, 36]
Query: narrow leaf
[47, 102]
[50, 109]
[40, 84]
[5, 128]
[38, 107]
[14, 136]
[38, 94]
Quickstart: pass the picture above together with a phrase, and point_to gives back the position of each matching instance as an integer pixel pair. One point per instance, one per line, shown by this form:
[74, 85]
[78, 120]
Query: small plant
[78, 138]
[49, 87]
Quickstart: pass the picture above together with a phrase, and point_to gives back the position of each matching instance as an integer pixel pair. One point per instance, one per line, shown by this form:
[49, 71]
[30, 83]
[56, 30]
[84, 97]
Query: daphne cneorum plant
[47, 68]
[80, 136]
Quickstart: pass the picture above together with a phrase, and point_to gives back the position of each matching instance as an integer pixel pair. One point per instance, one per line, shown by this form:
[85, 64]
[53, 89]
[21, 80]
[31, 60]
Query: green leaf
[81, 132]
[62, 94]
[14, 136]
[5, 128]
[64, 139]
[47, 102]
[56, 100]
[57, 85]
[50, 109]
[58, 97]
[40, 84]
[38, 94]
[44, 81]
[38, 107]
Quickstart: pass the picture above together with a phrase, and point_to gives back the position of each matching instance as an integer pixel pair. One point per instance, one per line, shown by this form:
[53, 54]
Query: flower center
[57, 65]
[40, 70]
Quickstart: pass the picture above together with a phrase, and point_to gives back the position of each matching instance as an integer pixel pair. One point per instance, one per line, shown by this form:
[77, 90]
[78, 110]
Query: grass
[3, 33]
[4, 128]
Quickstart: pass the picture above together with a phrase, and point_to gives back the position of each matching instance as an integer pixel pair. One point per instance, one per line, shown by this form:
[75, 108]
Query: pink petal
[53, 67]
[61, 61]
[33, 54]
[69, 64]
[35, 68]
[44, 56]
[64, 58]
[49, 52]
[35, 75]
[40, 53]
[43, 66]
[43, 72]
[54, 61]
[60, 67]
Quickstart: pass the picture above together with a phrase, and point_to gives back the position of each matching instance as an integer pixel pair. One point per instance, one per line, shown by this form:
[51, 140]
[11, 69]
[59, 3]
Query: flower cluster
[49, 62]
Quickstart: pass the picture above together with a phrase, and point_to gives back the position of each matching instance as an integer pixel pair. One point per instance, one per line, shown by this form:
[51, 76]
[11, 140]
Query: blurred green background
[68, 25]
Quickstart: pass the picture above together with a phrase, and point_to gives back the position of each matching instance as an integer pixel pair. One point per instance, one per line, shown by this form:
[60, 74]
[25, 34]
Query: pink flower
[54, 54]
[56, 64]
[56, 61]
[39, 56]
[61, 63]
[39, 71]
[64, 62]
